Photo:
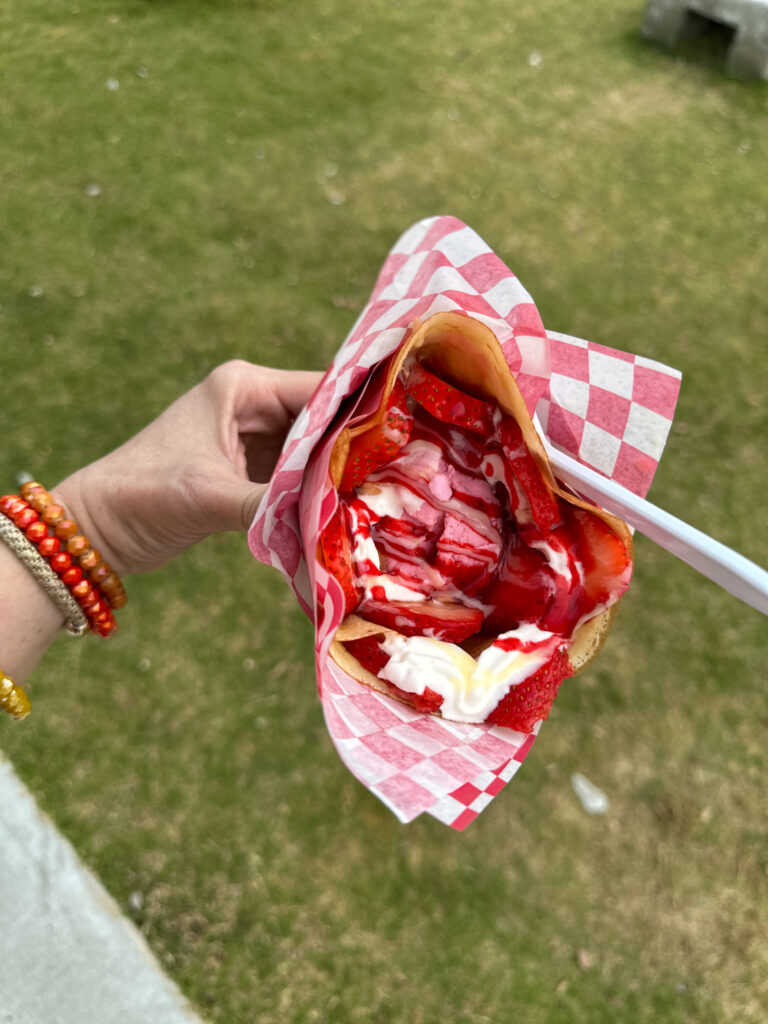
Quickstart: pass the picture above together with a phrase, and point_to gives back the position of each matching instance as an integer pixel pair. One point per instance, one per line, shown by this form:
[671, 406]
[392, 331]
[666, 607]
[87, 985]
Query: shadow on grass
[707, 51]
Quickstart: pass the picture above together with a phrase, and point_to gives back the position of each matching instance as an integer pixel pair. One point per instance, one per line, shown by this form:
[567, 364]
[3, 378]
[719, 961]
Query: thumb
[232, 504]
[251, 502]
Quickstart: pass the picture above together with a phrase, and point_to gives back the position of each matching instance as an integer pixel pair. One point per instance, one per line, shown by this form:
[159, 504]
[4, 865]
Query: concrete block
[67, 954]
[670, 21]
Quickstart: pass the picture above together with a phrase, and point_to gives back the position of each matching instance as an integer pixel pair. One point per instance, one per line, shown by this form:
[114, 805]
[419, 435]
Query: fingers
[260, 398]
[200, 467]
[267, 401]
[226, 502]
[251, 504]
[294, 388]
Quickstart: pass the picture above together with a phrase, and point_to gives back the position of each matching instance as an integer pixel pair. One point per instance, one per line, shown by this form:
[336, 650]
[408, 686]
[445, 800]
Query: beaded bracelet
[78, 546]
[48, 570]
[13, 699]
[88, 579]
[75, 621]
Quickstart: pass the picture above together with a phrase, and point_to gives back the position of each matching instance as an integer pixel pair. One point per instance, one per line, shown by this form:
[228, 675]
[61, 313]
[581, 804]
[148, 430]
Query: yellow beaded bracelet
[13, 699]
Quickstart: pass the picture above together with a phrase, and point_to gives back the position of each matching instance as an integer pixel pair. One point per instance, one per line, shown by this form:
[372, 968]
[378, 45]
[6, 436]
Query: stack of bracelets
[61, 559]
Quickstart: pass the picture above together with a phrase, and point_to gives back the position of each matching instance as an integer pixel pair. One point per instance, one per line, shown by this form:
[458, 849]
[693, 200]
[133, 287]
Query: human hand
[201, 467]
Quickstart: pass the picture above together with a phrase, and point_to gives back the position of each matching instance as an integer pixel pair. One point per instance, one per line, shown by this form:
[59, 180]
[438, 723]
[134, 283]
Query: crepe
[464, 352]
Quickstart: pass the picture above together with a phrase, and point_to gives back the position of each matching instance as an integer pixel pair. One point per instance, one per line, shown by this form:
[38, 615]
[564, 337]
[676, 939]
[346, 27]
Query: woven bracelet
[75, 621]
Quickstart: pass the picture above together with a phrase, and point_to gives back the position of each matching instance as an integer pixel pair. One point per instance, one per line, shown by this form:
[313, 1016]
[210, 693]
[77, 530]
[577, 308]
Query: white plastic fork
[723, 565]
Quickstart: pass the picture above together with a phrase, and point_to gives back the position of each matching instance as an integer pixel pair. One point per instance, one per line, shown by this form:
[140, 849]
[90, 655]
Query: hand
[201, 467]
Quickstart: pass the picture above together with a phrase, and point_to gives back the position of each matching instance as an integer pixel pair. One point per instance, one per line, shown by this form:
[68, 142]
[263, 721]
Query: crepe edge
[441, 339]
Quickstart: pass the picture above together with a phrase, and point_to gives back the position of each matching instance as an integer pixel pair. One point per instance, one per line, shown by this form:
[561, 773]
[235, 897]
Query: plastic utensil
[723, 565]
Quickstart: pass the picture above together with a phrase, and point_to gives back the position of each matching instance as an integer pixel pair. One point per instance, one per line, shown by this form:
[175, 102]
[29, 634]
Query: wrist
[29, 620]
[65, 562]
[72, 494]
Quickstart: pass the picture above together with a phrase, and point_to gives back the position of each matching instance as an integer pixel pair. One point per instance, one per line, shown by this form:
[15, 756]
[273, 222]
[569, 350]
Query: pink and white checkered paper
[609, 409]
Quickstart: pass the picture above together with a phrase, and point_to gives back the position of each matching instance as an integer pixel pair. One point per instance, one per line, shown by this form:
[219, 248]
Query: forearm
[29, 619]
[200, 467]
[35, 600]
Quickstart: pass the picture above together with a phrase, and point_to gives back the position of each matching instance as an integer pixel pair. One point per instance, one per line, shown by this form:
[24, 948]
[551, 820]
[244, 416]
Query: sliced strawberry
[447, 403]
[459, 446]
[466, 573]
[567, 607]
[337, 556]
[530, 701]
[429, 701]
[365, 556]
[522, 590]
[465, 555]
[602, 553]
[567, 604]
[368, 652]
[544, 507]
[406, 548]
[450, 622]
[377, 446]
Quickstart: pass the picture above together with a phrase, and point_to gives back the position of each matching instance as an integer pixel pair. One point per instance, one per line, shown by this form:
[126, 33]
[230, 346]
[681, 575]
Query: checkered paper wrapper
[609, 409]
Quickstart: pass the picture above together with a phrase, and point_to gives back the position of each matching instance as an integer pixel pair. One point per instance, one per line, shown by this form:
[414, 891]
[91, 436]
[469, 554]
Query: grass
[252, 168]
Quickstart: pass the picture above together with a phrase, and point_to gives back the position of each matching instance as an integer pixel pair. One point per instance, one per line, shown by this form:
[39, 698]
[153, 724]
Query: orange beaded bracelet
[90, 580]
[77, 545]
[75, 621]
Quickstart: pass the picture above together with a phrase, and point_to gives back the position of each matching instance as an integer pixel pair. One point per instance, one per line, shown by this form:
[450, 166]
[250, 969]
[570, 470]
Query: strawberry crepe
[474, 584]
[610, 409]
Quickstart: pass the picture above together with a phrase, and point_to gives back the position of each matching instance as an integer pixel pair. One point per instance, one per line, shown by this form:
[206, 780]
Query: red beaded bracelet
[91, 581]
[77, 545]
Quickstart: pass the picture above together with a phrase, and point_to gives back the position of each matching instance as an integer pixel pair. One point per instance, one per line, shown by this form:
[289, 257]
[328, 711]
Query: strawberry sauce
[455, 533]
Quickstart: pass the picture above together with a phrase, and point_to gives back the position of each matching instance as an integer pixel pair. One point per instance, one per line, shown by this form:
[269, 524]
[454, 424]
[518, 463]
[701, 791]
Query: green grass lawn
[233, 193]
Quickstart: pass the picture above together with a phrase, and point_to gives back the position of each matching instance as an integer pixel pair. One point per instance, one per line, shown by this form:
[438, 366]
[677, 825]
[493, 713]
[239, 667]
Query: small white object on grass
[593, 800]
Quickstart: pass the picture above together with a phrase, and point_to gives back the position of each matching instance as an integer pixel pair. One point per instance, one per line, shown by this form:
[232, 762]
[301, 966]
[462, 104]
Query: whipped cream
[387, 499]
[471, 688]
[365, 551]
[437, 523]
[497, 470]
[384, 587]
[560, 560]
